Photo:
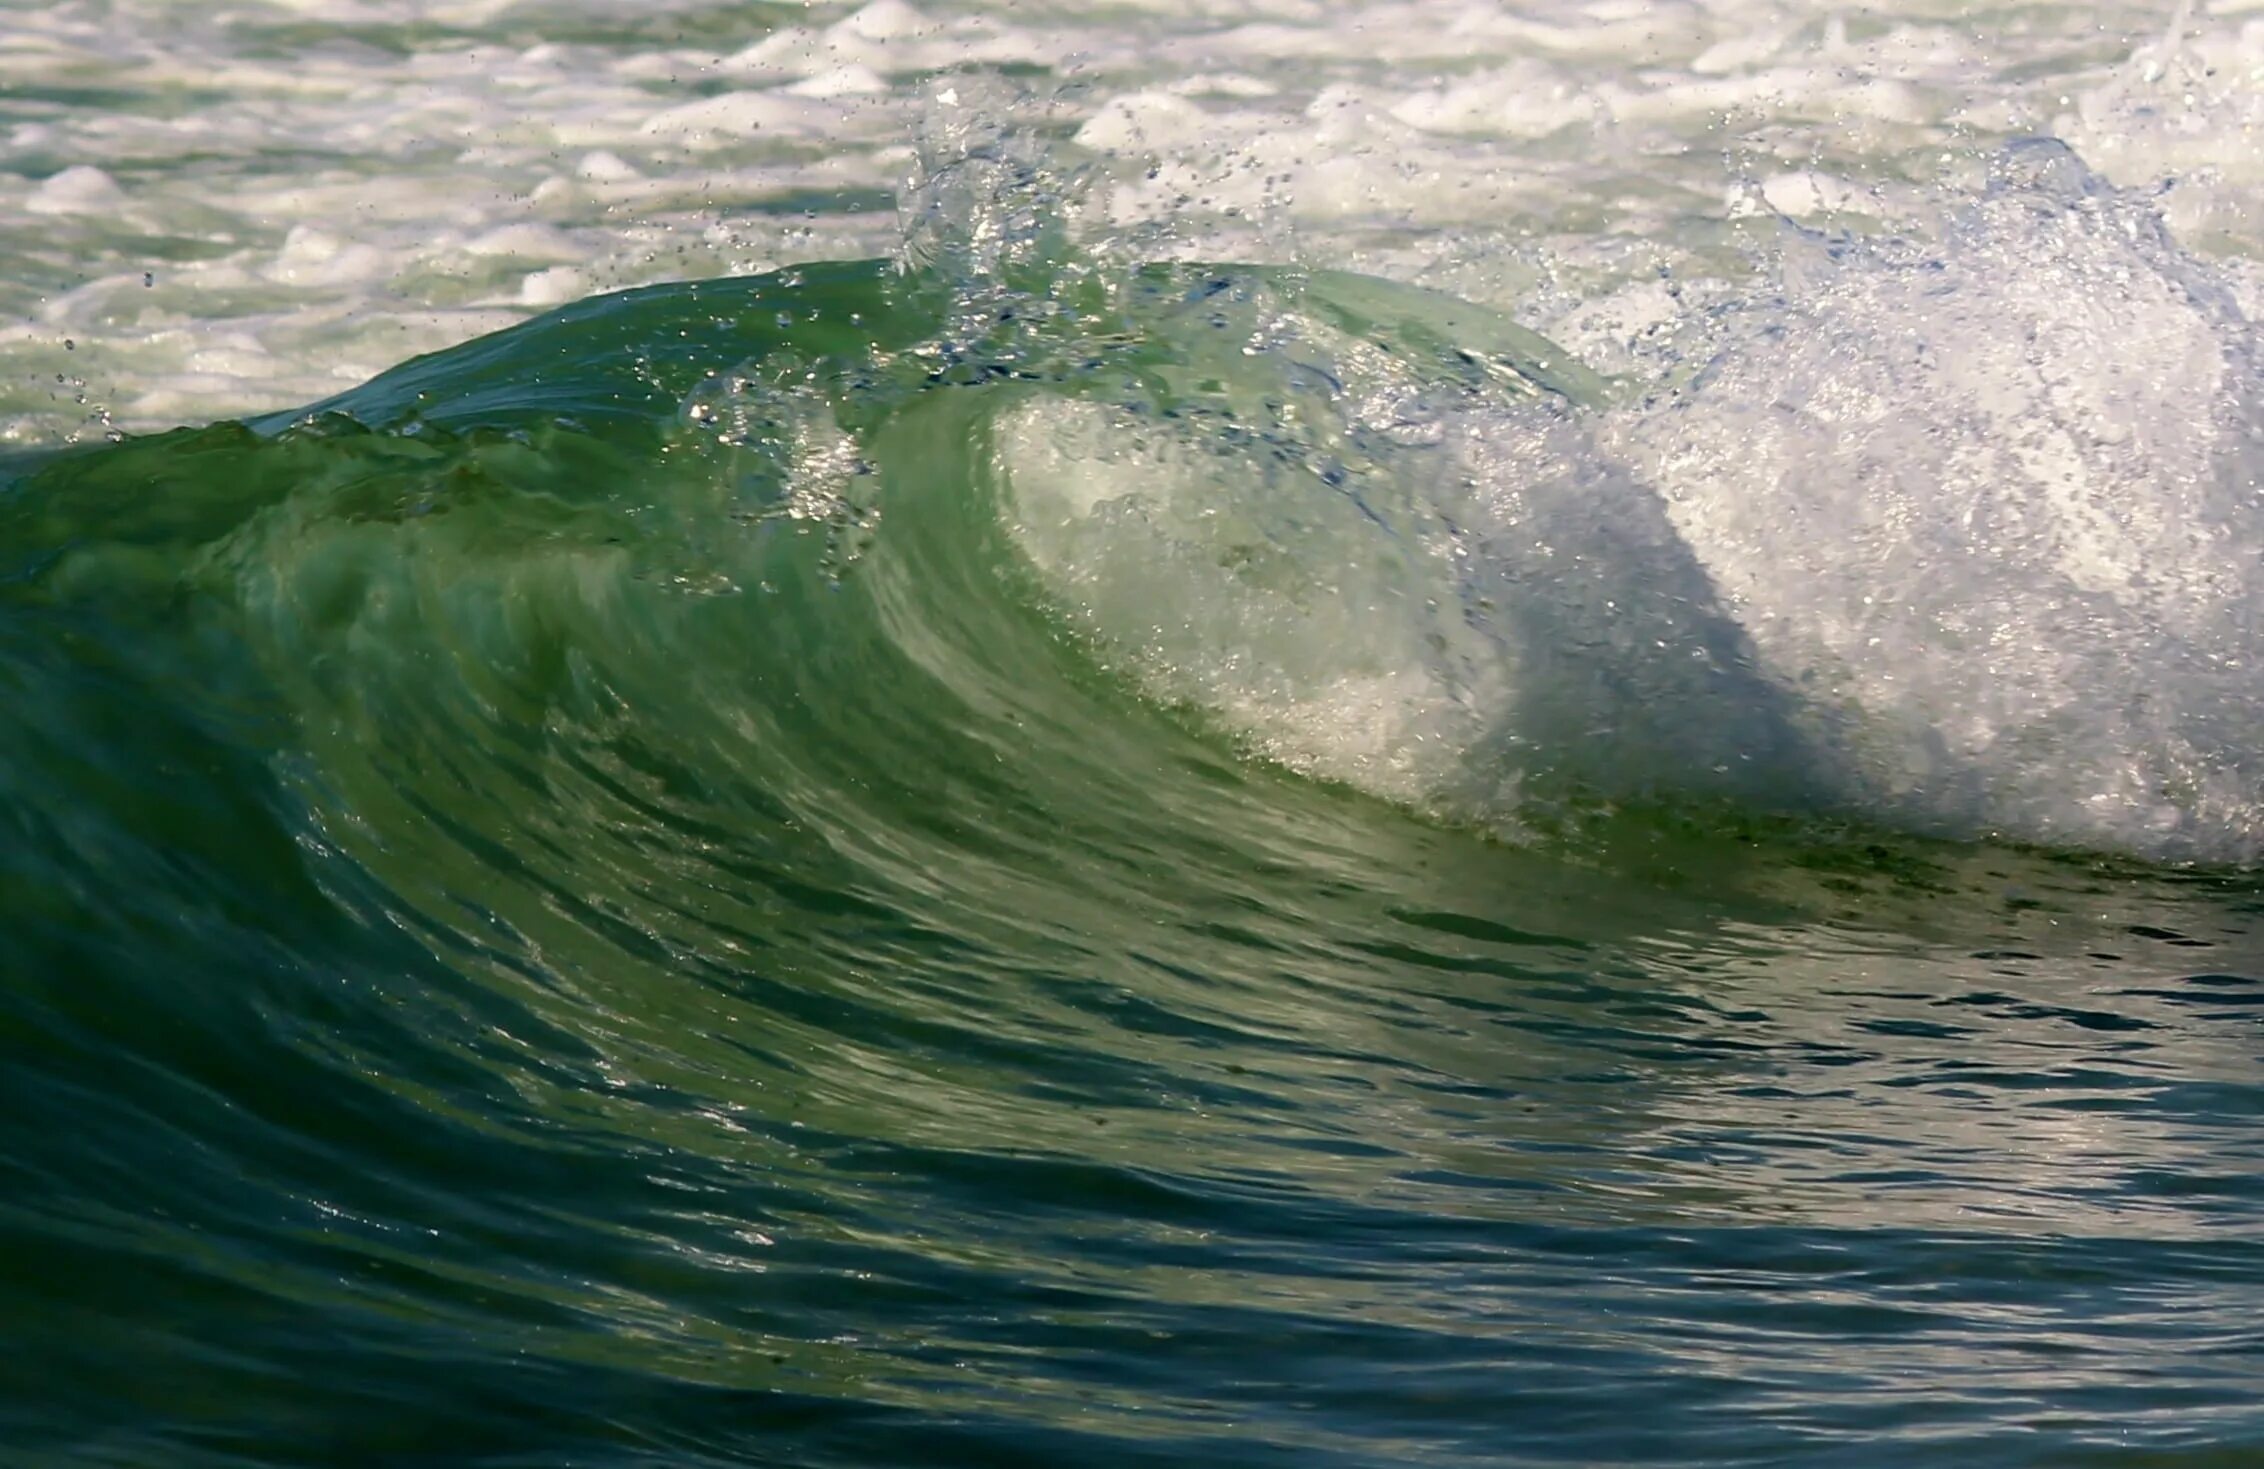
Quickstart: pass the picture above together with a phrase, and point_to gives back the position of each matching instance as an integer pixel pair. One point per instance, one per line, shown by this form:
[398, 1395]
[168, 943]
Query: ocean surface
[1245, 732]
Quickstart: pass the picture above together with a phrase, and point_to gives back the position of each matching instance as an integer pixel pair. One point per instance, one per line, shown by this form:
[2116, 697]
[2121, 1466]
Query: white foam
[1990, 504]
[79, 189]
[1495, 142]
[1962, 527]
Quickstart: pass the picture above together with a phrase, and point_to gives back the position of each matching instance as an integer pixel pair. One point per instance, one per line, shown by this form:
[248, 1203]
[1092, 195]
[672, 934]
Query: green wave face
[683, 884]
[574, 858]
[881, 472]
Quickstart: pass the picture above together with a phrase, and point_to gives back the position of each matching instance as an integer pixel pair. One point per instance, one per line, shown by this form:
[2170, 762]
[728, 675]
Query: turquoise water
[665, 887]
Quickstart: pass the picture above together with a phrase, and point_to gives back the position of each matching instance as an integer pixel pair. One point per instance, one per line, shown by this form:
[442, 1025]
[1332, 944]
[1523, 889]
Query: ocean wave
[1955, 530]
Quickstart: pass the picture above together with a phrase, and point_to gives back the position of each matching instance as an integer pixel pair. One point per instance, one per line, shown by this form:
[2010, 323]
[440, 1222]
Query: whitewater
[1431, 732]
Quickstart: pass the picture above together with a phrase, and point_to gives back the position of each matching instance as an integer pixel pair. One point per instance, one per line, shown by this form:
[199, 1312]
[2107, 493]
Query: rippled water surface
[1437, 733]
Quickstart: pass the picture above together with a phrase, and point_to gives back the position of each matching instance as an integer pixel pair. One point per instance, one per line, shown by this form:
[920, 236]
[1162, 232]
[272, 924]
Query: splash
[1958, 529]
[1987, 505]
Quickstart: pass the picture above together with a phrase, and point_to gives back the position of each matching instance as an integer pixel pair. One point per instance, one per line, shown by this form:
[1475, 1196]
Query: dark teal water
[545, 926]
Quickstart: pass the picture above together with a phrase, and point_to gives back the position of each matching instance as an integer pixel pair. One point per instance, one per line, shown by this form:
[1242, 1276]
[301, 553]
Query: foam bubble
[1989, 505]
[1962, 529]
[1490, 146]
[79, 189]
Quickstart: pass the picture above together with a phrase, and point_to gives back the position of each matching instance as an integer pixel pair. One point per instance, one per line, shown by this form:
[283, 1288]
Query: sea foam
[1960, 528]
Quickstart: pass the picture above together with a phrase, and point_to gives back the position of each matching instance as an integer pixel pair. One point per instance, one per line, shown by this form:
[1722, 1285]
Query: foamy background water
[208, 210]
